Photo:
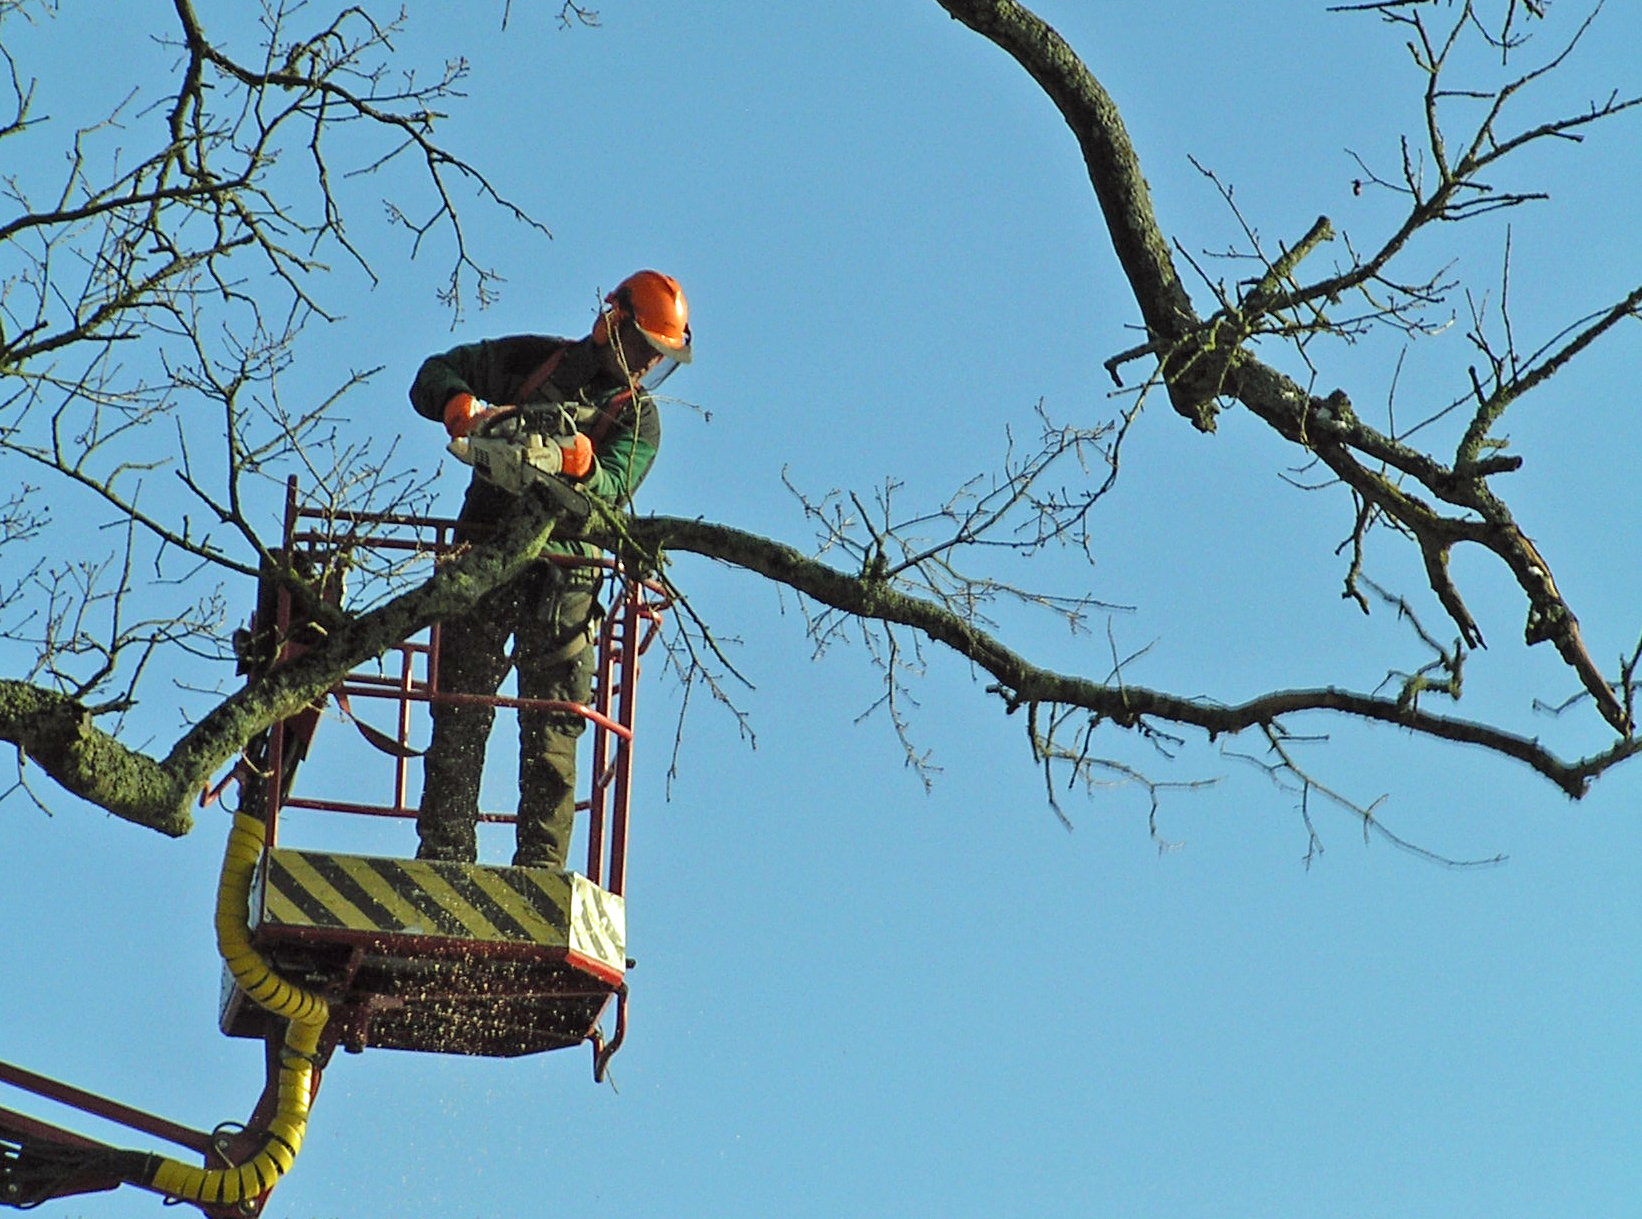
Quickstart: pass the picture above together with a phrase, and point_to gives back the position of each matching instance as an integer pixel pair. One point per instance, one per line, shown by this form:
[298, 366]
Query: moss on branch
[57, 733]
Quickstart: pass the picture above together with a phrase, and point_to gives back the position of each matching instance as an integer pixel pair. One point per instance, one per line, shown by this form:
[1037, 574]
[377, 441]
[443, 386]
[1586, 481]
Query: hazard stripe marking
[440, 889]
[535, 893]
[532, 924]
[427, 907]
[342, 878]
[498, 917]
[293, 881]
[285, 901]
[426, 898]
[401, 911]
[597, 931]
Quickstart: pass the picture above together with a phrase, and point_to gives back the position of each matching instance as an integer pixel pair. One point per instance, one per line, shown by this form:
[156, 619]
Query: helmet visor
[663, 369]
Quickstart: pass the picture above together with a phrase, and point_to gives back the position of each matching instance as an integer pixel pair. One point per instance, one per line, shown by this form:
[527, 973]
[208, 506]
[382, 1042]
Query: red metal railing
[627, 631]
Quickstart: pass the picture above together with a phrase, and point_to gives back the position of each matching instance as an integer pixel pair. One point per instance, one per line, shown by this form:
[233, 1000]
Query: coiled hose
[306, 1014]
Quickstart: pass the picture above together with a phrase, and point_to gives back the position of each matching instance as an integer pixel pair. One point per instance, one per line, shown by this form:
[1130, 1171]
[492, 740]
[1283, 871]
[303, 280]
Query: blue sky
[856, 998]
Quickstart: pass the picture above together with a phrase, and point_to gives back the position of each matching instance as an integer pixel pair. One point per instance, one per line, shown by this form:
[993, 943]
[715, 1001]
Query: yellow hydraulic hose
[256, 977]
[306, 1013]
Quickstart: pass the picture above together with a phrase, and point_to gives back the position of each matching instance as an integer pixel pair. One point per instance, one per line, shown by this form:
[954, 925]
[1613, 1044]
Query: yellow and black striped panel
[449, 901]
[598, 924]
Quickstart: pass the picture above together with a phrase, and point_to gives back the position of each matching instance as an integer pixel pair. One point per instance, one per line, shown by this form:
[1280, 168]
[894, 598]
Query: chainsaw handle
[493, 417]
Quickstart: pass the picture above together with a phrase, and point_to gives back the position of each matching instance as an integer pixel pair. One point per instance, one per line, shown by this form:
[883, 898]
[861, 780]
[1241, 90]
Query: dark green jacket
[625, 428]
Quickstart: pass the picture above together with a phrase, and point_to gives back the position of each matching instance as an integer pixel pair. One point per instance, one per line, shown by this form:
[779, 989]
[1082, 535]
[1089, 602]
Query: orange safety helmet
[657, 306]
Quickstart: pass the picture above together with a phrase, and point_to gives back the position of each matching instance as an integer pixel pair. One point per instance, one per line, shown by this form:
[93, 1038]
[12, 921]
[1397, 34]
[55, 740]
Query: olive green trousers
[551, 614]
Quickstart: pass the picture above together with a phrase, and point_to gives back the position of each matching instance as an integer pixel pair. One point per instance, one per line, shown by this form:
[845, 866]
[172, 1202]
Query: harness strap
[378, 738]
[607, 417]
[537, 379]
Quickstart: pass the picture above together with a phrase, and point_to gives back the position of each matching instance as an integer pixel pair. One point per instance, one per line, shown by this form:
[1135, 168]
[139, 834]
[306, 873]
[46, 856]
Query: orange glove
[463, 413]
[578, 457]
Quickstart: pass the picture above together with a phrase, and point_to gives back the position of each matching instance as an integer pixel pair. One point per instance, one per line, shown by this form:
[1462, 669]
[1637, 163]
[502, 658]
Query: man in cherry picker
[608, 440]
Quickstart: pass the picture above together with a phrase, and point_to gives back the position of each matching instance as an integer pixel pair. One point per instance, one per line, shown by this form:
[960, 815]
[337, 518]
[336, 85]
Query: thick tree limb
[1204, 360]
[57, 733]
[1114, 172]
[1019, 682]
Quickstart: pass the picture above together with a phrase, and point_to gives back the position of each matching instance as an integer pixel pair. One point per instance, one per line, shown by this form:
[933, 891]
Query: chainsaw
[518, 448]
[521, 449]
